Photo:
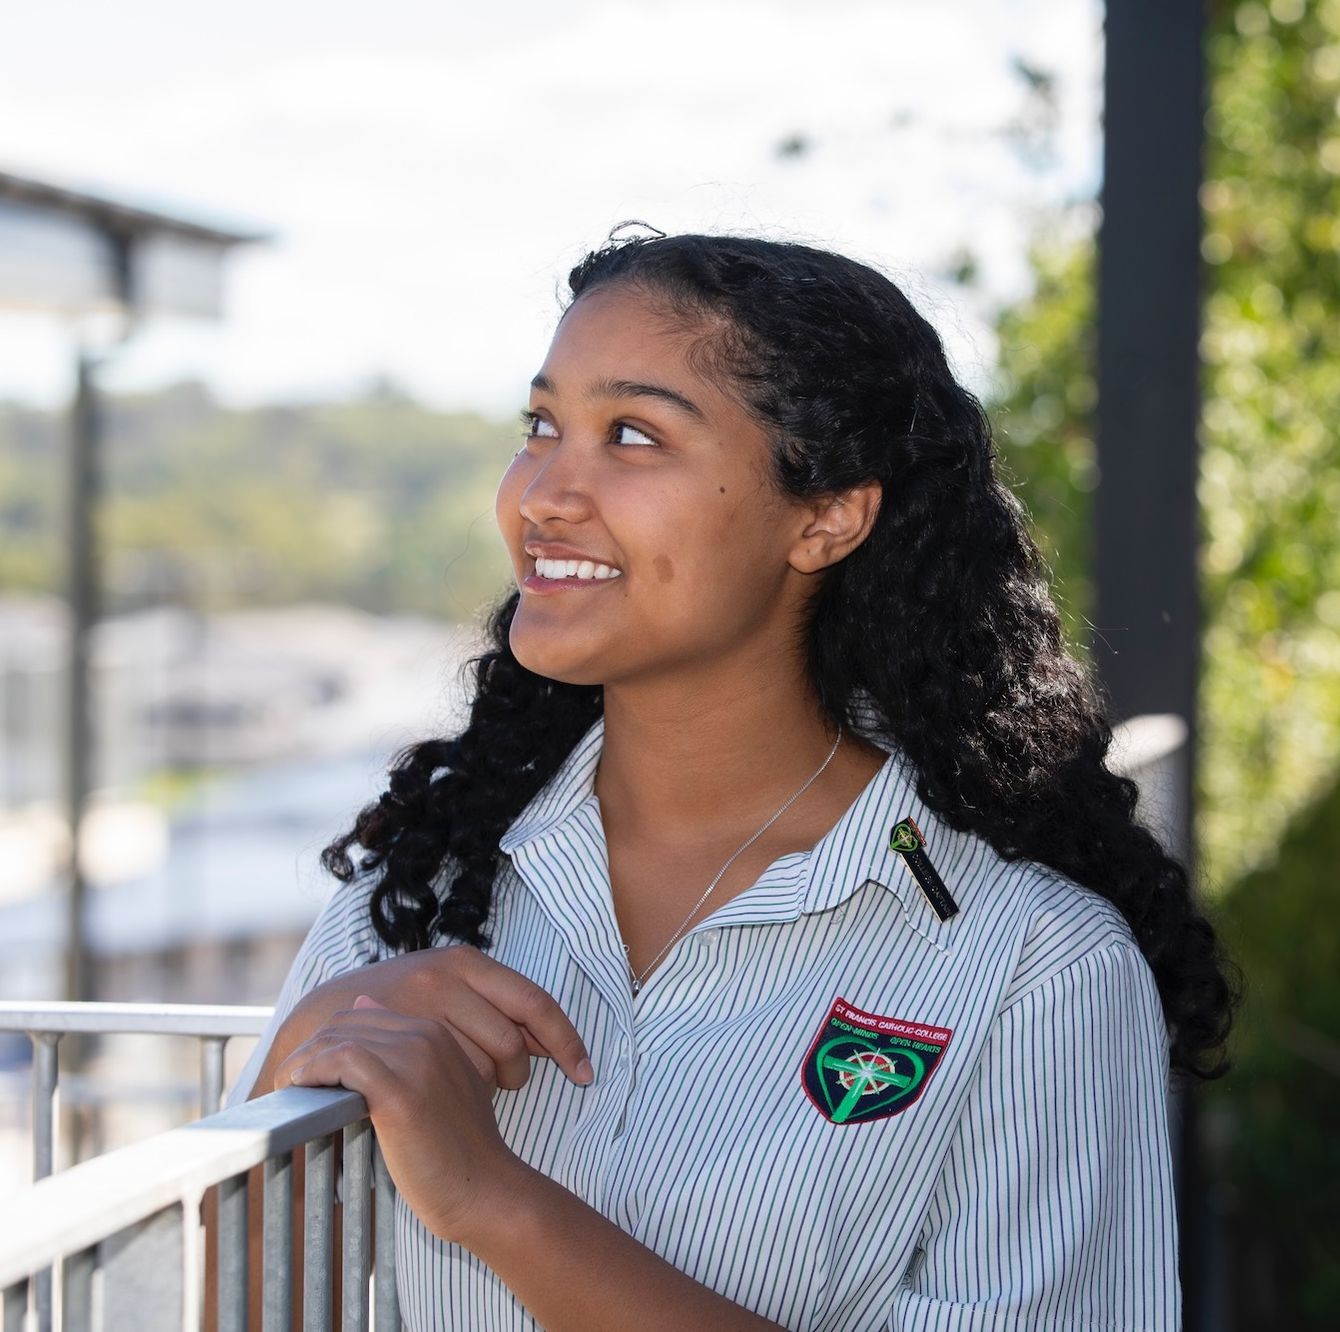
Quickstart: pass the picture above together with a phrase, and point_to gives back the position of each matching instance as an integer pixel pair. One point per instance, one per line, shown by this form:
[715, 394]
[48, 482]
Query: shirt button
[711, 935]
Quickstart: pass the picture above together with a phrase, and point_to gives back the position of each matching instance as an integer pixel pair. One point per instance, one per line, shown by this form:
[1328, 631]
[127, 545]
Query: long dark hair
[941, 617]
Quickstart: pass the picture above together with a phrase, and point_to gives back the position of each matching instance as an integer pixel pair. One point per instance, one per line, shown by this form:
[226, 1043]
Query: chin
[550, 660]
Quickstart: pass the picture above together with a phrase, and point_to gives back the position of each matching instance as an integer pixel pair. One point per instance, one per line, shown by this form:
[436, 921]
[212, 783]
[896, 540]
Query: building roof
[119, 214]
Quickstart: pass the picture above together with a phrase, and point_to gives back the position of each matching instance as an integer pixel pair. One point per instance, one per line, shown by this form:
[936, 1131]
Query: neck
[700, 767]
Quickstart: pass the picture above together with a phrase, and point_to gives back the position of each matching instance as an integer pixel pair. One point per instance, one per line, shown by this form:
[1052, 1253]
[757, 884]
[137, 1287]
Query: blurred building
[229, 749]
[174, 689]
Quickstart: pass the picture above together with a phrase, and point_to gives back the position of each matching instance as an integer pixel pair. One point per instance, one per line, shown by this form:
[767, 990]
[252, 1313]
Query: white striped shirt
[993, 1156]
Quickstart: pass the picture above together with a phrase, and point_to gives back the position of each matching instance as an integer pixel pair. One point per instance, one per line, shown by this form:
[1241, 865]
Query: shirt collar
[562, 795]
[853, 852]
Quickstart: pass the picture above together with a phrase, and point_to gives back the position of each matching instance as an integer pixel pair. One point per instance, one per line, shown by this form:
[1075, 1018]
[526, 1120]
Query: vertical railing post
[386, 1307]
[231, 1256]
[357, 1245]
[77, 1292]
[277, 1268]
[192, 1263]
[46, 1071]
[212, 1050]
[318, 1206]
[16, 1306]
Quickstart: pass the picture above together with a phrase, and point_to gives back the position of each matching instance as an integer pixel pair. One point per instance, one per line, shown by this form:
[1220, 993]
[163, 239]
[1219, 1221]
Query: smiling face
[638, 462]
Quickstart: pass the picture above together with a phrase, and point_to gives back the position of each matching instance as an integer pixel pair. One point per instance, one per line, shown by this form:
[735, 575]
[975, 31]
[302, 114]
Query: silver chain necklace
[637, 980]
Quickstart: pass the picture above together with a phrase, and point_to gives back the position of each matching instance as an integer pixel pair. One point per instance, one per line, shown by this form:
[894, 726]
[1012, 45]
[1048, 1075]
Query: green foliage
[1270, 684]
[1270, 689]
[1043, 412]
[378, 503]
[1270, 477]
[1270, 455]
[1278, 1109]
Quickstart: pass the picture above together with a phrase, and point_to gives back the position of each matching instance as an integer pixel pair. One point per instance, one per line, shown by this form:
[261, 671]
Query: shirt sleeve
[1055, 1209]
[341, 940]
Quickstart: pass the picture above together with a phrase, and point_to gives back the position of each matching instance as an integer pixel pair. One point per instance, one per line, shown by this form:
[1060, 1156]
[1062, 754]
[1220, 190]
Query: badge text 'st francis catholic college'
[863, 1066]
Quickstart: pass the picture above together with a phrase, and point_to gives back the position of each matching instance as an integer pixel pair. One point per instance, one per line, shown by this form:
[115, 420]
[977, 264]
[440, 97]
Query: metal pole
[277, 1265]
[357, 1238]
[1149, 270]
[46, 1071]
[318, 1208]
[16, 1306]
[231, 1257]
[212, 1049]
[77, 1296]
[386, 1303]
[1147, 612]
[81, 596]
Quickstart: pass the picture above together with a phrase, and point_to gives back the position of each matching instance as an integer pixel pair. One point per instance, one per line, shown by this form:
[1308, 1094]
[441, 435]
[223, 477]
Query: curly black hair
[942, 618]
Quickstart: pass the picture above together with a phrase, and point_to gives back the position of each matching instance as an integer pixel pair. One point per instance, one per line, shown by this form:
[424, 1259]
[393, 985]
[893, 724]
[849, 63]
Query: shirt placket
[568, 871]
[678, 992]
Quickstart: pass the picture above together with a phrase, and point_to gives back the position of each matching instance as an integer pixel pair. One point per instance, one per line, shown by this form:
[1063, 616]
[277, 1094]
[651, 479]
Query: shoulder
[1060, 922]
[1040, 920]
[1071, 962]
[343, 937]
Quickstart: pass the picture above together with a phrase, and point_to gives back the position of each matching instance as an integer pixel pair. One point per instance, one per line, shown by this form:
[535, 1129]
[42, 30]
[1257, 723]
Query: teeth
[574, 569]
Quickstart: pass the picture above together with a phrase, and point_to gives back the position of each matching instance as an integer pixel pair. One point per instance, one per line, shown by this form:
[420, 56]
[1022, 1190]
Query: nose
[558, 489]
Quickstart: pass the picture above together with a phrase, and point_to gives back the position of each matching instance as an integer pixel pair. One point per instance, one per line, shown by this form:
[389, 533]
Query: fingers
[530, 1007]
[484, 1065]
[333, 1062]
[496, 1034]
[505, 1014]
[375, 1030]
[371, 1022]
[494, 1043]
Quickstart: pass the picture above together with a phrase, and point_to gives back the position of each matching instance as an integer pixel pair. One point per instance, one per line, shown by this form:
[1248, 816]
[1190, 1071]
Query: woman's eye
[645, 440]
[533, 422]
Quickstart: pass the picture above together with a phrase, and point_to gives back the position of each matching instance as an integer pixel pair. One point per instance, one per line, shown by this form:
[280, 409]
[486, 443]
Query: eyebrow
[628, 388]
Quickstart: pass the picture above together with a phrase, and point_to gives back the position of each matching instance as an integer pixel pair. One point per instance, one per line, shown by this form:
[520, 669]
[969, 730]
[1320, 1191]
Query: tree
[1270, 457]
[1270, 688]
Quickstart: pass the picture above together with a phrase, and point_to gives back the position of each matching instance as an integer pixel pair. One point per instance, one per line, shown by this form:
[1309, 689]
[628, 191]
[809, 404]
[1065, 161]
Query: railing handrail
[70, 1211]
[200, 1020]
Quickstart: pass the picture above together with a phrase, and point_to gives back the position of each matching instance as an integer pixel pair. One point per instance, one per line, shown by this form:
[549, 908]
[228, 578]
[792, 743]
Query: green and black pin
[906, 838]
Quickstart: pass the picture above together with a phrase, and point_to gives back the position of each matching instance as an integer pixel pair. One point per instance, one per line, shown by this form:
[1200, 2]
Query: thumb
[367, 1001]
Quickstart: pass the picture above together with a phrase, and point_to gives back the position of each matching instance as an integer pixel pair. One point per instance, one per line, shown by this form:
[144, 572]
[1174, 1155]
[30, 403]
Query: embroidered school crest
[863, 1066]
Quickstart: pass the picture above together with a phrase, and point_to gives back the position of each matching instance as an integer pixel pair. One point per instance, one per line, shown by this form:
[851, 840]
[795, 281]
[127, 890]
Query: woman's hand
[432, 1112]
[498, 1017]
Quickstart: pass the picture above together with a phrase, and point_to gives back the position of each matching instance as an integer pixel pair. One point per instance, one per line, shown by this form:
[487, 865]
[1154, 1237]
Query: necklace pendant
[637, 985]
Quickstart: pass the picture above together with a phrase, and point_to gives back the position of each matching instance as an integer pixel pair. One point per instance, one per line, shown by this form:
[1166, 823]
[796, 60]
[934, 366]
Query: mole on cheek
[664, 569]
[722, 489]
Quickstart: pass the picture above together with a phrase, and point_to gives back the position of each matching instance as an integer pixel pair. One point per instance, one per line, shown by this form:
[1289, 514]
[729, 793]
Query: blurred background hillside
[296, 522]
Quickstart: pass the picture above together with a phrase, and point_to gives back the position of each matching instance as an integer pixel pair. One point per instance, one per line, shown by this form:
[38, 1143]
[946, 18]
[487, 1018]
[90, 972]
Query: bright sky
[431, 171]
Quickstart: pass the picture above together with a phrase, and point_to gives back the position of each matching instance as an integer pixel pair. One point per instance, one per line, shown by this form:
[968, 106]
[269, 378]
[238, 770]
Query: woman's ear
[835, 525]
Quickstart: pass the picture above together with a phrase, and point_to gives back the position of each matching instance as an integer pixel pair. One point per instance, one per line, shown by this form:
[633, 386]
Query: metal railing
[77, 1248]
[45, 1023]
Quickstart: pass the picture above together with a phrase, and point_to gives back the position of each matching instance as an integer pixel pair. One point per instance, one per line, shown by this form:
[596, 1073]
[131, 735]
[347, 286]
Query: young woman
[773, 947]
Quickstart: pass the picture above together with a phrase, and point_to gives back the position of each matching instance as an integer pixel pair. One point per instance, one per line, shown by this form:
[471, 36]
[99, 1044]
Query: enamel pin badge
[863, 1066]
[906, 838]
